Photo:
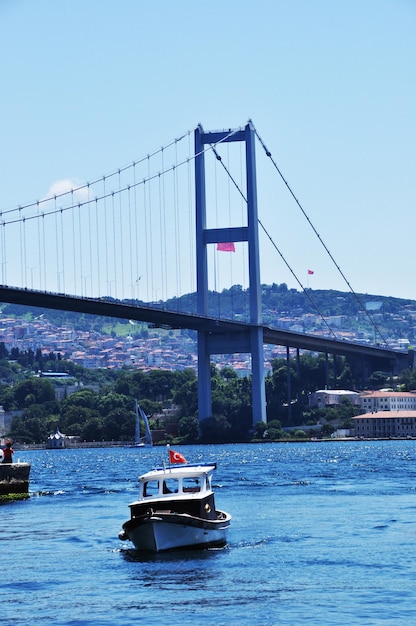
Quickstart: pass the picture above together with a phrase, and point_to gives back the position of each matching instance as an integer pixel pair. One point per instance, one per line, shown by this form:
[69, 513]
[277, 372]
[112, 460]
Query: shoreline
[124, 444]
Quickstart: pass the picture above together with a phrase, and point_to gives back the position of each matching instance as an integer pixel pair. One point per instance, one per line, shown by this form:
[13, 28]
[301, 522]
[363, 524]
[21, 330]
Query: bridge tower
[250, 340]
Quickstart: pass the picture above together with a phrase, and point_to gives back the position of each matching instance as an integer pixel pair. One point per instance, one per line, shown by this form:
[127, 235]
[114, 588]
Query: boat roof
[178, 471]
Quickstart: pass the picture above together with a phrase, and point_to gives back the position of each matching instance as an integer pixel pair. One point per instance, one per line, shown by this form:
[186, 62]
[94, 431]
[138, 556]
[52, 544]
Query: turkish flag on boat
[176, 457]
[227, 246]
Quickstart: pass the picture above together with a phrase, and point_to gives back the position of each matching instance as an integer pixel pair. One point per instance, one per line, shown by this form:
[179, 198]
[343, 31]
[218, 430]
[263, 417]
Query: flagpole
[167, 449]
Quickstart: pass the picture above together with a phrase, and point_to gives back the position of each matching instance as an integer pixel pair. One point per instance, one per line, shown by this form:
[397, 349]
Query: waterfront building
[385, 424]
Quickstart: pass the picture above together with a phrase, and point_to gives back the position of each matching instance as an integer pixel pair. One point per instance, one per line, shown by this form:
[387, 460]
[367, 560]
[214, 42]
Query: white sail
[147, 439]
[137, 439]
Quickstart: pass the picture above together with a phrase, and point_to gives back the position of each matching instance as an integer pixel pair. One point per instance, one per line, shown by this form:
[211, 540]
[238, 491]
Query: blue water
[322, 533]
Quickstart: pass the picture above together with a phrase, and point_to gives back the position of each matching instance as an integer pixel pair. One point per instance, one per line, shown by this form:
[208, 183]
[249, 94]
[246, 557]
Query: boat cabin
[180, 481]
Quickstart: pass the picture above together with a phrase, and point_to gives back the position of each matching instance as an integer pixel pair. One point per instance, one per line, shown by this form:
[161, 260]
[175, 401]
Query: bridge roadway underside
[221, 333]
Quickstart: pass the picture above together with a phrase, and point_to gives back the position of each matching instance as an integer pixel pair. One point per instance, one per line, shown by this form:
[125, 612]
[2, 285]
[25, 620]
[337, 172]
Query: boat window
[151, 488]
[170, 485]
[191, 485]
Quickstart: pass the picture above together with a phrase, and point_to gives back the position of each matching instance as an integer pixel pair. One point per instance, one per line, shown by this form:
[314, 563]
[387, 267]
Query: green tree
[34, 391]
[186, 395]
[215, 429]
[188, 429]
[93, 430]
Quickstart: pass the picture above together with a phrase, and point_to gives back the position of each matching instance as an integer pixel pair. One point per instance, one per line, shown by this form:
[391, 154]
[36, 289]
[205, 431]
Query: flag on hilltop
[226, 246]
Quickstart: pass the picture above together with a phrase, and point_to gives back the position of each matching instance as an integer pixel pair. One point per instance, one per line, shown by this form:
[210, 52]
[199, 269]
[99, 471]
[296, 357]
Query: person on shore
[8, 453]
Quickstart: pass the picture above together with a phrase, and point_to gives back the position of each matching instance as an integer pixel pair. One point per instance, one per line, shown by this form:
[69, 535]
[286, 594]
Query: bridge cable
[219, 158]
[97, 243]
[105, 194]
[93, 182]
[269, 154]
[121, 230]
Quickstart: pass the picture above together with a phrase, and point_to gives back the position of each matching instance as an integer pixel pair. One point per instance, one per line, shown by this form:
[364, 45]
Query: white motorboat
[176, 509]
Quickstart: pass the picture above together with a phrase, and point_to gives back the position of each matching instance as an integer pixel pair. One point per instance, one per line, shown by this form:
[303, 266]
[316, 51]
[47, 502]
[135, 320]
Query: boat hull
[168, 531]
[14, 478]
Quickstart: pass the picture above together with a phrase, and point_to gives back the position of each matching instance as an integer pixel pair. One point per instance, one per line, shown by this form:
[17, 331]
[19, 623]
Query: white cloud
[65, 186]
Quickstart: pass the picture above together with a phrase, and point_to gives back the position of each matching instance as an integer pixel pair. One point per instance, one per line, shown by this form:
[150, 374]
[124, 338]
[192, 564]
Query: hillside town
[118, 344]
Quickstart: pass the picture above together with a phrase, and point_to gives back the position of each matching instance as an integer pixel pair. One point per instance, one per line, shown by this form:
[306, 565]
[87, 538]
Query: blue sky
[89, 86]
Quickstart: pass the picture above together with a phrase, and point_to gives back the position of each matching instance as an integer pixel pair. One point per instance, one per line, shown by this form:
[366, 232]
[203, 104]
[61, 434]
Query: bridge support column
[257, 370]
[289, 386]
[204, 376]
[250, 340]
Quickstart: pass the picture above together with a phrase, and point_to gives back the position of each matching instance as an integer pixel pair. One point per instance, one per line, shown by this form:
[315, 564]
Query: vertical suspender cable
[106, 249]
[62, 251]
[24, 251]
[162, 241]
[163, 208]
[97, 234]
[132, 284]
[191, 236]
[176, 224]
[44, 251]
[90, 238]
[121, 246]
[4, 254]
[114, 244]
[178, 232]
[22, 278]
[229, 224]
[81, 263]
[74, 238]
[150, 224]
[38, 222]
[58, 273]
[136, 235]
[146, 242]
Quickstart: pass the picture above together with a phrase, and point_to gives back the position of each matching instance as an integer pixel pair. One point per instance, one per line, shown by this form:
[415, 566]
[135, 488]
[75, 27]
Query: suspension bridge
[135, 243]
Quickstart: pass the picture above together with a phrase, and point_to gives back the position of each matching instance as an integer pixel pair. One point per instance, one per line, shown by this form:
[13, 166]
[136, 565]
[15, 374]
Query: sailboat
[140, 442]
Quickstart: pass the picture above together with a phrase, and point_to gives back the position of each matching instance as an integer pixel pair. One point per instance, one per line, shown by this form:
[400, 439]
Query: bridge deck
[163, 318]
